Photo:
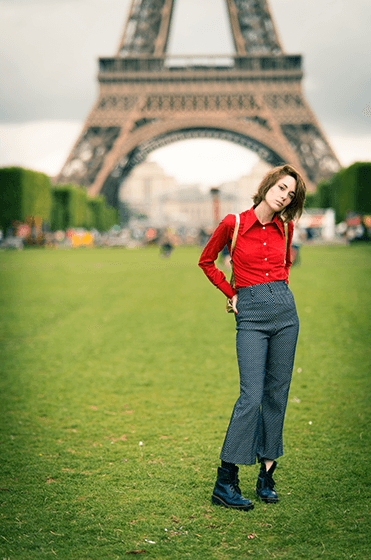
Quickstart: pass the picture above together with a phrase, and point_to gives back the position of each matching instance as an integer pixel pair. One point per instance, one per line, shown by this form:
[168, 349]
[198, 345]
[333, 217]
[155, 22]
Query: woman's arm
[221, 237]
[288, 261]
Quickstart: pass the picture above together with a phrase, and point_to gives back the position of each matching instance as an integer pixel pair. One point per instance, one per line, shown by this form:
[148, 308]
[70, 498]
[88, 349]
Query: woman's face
[281, 193]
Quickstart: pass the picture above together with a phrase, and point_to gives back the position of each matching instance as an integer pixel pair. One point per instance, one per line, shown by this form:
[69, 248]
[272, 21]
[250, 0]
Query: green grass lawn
[118, 380]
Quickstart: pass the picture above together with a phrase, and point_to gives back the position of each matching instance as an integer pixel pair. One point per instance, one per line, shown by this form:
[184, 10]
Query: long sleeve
[222, 236]
[288, 253]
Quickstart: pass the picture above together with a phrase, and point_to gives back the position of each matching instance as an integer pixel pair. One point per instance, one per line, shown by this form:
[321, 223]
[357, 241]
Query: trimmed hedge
[26, 194]
[59, 212]
[72, 207]
[104, 217]
[23, 194]
[69, 208]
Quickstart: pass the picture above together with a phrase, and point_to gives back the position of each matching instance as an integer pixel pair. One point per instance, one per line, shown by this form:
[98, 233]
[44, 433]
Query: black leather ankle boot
[235, 481]
[265, 484]
[227, 493]
[233, 470]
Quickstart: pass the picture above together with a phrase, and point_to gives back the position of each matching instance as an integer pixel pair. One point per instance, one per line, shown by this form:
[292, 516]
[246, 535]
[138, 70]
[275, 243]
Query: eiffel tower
[148, 99]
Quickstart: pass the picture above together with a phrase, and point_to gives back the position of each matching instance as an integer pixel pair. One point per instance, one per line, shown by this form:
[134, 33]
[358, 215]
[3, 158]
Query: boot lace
[269, 480]
[236, 485]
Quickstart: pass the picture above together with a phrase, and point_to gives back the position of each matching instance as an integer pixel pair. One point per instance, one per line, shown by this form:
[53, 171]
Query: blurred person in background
[167, 243]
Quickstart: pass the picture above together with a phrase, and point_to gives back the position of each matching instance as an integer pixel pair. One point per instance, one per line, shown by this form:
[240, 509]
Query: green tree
[348, 189]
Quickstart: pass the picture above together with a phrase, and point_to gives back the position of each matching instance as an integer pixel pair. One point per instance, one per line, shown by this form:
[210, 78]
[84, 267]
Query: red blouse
[259, 254]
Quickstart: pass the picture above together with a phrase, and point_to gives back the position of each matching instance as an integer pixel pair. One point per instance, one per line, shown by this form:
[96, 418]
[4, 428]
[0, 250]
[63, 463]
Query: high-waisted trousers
[267, 329]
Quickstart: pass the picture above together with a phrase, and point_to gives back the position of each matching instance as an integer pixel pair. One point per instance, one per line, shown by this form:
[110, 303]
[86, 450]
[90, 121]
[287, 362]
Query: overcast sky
[48, 66]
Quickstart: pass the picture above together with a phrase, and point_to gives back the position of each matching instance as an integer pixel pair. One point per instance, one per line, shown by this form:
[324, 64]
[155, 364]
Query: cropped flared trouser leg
[267, 330]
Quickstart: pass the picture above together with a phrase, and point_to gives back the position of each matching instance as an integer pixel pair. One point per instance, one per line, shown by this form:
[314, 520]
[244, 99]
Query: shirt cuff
[227, 289]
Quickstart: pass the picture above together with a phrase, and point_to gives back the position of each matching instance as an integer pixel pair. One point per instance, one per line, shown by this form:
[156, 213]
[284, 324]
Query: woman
[267, 328]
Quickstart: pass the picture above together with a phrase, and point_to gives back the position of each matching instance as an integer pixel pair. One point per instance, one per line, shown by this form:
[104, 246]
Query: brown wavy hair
[295, 208]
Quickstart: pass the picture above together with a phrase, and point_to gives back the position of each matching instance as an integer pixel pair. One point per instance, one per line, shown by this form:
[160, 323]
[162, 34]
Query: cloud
[351, 148]
[42, 146]
[48, 56]
[200, 28]
[334, 38]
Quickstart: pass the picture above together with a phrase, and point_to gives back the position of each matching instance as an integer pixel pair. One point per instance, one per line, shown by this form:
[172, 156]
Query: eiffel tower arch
[148, 99]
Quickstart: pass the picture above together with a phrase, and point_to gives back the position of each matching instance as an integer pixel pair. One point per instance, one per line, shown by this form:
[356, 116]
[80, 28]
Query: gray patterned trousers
[267, 329]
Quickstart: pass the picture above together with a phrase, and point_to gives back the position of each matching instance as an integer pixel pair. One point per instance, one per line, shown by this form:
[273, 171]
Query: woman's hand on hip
[234, 303]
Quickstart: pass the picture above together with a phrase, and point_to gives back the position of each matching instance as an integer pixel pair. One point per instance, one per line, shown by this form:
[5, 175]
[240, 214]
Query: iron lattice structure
[148, 99]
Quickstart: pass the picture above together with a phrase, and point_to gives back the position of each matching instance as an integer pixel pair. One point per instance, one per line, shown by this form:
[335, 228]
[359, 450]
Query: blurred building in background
[193, 207]
[144, 189]
[246, 186]
[149, 192]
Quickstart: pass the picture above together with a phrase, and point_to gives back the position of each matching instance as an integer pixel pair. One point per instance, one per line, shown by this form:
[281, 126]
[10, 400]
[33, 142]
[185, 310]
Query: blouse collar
[251, 218]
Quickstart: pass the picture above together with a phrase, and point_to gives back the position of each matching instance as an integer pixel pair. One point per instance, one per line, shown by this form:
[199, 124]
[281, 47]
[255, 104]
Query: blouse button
[267, 274]
[263, 227]
[265, 259]
[264, 243]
